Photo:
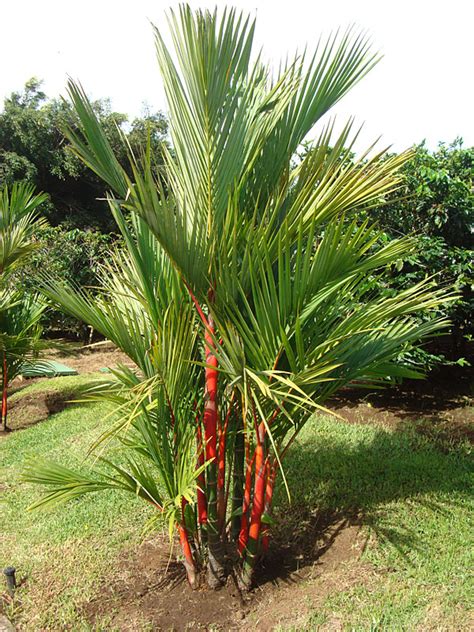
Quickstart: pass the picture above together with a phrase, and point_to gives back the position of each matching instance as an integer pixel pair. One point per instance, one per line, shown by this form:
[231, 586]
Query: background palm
[241, 261]
[20, 314]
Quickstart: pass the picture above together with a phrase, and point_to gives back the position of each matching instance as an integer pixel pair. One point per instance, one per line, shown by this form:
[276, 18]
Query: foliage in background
[34, 149]
[437, 198]
[436, 206]
[73, 255]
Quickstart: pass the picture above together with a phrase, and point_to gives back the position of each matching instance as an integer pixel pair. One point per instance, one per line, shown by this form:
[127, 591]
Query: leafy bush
[436, 206]
[20, 311]
[246, 263]
[73, 255]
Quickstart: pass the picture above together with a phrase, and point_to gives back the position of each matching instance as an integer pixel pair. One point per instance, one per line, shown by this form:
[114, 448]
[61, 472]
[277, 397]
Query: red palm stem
[243, 536]
[189, 564]
[259, 493]
[201, 494]
[271, 476]
[197, 305]
[221, 504]
[210, 406]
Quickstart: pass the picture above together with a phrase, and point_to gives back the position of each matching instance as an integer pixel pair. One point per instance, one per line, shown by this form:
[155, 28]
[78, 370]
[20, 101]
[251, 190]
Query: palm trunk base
[192, 575]
[216, 572]
[245, 580]
[251, 557]
[189, 564]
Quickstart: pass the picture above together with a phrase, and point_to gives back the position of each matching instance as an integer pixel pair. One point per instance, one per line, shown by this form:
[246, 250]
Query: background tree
[75, 255]
[436, 206]
[33, 148]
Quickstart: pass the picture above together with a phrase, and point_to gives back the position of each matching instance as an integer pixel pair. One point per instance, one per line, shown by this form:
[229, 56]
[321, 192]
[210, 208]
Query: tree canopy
[33, 149]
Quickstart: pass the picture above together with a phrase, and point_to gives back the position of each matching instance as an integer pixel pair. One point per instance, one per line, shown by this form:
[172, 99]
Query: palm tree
[18, 221]
[20, 314]
[242, 295]
[20, 327]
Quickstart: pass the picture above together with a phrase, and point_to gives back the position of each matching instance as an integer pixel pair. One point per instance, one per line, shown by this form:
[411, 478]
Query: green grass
[63, 552]
[416, 504]
[63, 384]
[414, 501]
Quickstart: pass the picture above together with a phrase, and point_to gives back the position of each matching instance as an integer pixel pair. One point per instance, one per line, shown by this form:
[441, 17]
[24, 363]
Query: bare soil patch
[31, 409]
[150, 590]
[441, 408]
[89, 360]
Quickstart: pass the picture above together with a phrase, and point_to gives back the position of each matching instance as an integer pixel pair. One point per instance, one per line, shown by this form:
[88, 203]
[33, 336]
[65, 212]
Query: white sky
[421, 89]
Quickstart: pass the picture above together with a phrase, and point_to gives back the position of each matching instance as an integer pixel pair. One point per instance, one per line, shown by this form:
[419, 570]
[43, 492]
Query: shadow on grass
[344, 476]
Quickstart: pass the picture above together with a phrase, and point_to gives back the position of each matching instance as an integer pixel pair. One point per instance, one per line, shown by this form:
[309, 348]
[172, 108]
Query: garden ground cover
[382, 508]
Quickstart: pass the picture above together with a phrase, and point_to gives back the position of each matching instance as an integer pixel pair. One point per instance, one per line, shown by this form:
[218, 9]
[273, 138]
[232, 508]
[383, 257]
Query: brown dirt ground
[36, 407]
[442, 411]
[91, 359]
[152, 590]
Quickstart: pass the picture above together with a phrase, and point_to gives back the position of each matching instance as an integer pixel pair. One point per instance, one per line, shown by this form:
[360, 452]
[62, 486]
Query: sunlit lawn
[414, 501]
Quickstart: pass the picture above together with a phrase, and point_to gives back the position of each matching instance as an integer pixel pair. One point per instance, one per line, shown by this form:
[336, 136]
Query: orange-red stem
[259, 493]
[271, 476]
[243, 536]
[201, 494]
[253, 543]
[197, 305]
[210, 406]
[186, 549]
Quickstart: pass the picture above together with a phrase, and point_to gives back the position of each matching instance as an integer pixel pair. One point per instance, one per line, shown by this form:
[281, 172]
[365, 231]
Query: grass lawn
[414, 502]
[416, 505]
[63, 552]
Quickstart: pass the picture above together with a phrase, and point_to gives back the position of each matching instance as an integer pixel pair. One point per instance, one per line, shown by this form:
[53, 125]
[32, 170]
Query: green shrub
[436, 205]
[73, 255]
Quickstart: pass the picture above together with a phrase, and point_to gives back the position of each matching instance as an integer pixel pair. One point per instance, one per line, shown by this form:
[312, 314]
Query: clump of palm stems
[20, 313]
[242, 294]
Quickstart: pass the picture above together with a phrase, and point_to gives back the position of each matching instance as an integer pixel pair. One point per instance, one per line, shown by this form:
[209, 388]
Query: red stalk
[261, 471]
[197, 305]
[210, 406]
[201, 494]
[259, 493]
[186, 548]
[252, 548]
[5, 391]
[243, 536]
[258, 505]
[173, 420]
[215, 560]
[271, 476]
